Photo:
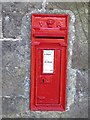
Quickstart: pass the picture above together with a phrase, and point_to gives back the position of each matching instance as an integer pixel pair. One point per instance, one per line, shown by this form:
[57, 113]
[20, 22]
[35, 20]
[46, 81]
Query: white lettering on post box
[48, 61]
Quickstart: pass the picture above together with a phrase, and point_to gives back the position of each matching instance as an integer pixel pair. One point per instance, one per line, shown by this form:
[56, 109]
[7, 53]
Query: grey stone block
[12, 14]
[13, 107]
[13, 68]
[0, 20]
[12, 17]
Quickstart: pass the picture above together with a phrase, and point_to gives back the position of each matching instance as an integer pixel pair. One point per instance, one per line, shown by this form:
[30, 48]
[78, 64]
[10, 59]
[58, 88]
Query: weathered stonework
[16, 59]
[0, 20]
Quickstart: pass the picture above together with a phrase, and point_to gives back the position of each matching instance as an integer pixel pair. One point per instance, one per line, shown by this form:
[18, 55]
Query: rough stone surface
[0, 20]
[0, 79]
[12, 17]
[15, 61]
[13, 64]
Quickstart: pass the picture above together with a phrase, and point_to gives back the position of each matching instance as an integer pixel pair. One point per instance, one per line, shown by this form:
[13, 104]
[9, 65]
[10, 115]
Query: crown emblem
[50, 23]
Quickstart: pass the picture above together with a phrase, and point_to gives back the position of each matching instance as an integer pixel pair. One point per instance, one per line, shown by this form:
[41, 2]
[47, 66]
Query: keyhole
[42, 80]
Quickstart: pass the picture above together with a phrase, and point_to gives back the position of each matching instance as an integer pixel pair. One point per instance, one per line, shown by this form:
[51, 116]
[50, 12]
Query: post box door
[47, 75]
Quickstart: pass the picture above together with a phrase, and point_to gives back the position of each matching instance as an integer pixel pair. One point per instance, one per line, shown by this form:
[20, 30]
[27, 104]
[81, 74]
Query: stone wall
[15, 39]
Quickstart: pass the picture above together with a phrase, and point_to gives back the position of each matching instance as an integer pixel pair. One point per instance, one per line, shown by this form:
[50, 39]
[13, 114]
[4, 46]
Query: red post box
[49, 62]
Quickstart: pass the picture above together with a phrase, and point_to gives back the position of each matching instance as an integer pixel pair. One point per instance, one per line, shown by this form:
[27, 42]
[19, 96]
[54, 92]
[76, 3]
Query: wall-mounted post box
[49, 62]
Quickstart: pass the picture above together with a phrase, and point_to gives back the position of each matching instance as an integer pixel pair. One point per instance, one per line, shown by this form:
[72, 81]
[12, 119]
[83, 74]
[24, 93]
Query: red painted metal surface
[49, 62]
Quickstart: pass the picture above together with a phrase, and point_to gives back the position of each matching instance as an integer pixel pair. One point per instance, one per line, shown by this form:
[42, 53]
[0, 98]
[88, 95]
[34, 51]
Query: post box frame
[63, 47]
